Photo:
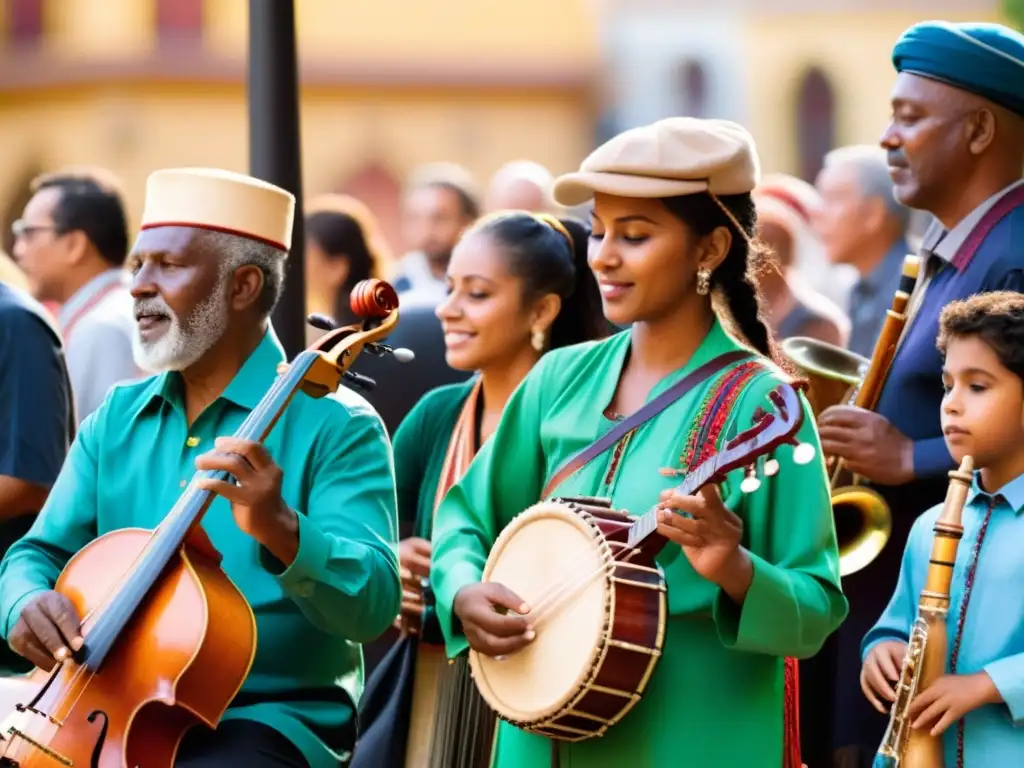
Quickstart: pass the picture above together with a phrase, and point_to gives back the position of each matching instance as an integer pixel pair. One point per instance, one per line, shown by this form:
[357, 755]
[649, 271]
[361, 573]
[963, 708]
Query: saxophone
[925, 660]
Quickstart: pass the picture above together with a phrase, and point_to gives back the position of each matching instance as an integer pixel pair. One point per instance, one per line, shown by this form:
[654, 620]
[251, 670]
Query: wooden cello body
[169, 639]
[183, 658]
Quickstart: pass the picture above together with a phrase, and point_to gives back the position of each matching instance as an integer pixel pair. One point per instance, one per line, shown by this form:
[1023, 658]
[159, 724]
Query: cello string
[187, 499]
[245, 431]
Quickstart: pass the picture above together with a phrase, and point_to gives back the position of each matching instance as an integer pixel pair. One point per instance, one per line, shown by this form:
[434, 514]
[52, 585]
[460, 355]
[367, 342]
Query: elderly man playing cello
[308, 530]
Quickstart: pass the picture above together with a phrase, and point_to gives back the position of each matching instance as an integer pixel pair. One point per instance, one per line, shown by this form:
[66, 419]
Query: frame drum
[558, 562]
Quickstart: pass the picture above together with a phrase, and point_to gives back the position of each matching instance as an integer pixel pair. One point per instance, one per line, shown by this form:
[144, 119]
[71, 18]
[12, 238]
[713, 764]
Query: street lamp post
[275, 143]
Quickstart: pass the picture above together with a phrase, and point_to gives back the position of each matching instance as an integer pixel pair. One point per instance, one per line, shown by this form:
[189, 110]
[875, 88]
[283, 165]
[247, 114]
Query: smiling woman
[518, 286]
[750, 564]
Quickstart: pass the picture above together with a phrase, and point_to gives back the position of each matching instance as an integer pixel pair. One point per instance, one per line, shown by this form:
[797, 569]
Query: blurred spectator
[440, 203]
[39, 424]
[71, 242]
[343, 247]
[521, 185]
[863, 226]
[795, 308]
[11, 273]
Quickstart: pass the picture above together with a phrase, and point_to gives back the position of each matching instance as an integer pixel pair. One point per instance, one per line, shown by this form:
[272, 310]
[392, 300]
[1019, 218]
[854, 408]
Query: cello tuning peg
[803, 453]
[400, 354]
[751, 482]
[357, 379]
[403, 355]
[323, 322]
[771, 468]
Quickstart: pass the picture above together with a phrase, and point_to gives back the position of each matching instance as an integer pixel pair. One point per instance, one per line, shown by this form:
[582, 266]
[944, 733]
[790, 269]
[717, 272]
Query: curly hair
[996, 318]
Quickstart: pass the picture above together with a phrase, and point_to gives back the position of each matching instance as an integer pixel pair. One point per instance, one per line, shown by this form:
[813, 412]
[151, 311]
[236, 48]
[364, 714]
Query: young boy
[982, 693]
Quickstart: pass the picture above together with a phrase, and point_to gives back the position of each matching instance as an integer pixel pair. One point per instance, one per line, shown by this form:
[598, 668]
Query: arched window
[692, 85]
[24, 21]
[179, 21]
[815, 121]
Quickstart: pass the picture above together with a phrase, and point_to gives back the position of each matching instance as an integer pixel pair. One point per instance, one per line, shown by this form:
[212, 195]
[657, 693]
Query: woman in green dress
[519, 286]
[752, 577]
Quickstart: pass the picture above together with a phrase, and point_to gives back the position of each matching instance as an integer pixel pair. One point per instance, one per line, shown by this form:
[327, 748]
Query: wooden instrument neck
[173, 531]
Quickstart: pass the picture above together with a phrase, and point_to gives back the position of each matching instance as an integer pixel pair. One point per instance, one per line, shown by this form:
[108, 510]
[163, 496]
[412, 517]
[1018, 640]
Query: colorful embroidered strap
[715, 411]
[703, 441]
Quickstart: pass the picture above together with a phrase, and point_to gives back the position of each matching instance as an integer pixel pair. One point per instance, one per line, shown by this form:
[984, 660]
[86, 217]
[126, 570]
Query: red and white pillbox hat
[223, 201]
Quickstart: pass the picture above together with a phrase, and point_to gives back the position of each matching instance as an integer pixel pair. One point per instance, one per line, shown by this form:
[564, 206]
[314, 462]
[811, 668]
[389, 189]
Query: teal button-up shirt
[130, 463]
[993, 636]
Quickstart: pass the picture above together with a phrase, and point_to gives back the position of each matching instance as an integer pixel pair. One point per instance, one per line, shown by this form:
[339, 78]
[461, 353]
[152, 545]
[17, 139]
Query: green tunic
[420, 444]
[130, 463]
[716, 697]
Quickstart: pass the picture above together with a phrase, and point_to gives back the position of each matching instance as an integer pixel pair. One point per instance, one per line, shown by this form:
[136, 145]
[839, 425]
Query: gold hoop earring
[537, 339]
[703, 281]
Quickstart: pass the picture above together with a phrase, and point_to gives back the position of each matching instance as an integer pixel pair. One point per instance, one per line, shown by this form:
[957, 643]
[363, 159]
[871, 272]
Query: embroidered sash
[462, 447]
[704, 441]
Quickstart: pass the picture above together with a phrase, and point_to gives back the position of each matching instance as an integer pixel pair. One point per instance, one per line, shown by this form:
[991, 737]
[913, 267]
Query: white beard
[183, 343]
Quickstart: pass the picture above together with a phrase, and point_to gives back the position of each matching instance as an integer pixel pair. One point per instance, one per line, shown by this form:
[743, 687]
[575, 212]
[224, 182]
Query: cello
[168, 638]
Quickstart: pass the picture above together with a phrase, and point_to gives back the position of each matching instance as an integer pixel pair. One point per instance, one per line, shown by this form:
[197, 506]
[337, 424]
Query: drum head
[552, 559]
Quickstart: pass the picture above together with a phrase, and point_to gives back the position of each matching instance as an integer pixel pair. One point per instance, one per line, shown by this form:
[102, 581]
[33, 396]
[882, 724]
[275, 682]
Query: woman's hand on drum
[493, 618]
[709, 534]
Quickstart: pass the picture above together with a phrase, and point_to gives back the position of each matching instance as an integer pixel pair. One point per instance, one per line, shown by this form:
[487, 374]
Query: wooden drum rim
[580, 519]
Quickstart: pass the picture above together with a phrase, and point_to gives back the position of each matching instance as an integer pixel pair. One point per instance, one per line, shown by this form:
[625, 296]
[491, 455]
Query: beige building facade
[134, 85]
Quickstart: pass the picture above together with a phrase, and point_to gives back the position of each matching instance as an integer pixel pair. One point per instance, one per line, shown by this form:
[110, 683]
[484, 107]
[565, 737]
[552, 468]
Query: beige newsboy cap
[675, 156]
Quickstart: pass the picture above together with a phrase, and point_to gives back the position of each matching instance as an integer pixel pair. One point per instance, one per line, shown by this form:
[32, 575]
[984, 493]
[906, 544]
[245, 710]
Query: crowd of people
[545, 314]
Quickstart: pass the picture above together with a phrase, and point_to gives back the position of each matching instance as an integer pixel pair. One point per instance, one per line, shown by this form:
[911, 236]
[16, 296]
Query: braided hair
[735, 279]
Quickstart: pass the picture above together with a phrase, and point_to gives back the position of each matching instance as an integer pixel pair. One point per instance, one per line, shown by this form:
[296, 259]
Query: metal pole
[274, 144]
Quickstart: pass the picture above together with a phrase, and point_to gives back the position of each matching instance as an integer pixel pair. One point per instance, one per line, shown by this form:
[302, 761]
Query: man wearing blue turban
[955, 147]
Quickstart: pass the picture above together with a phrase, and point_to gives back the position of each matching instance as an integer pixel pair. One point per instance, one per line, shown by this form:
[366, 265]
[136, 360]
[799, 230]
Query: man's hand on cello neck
[255, 495]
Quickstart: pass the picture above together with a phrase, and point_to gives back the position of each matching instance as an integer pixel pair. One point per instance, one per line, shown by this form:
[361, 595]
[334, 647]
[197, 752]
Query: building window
[815, 122]
[693, 88]
[24, 21]
[179, 21]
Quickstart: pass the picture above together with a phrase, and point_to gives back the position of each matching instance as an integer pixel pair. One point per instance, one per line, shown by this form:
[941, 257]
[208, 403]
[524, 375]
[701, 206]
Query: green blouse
[716, 698]
[420, 445]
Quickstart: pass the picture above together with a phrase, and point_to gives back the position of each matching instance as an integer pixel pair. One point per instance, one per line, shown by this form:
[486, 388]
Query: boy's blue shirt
[993, 633]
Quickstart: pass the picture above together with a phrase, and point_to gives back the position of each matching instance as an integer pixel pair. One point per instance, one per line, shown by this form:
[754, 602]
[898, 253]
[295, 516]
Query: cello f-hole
[98, 749]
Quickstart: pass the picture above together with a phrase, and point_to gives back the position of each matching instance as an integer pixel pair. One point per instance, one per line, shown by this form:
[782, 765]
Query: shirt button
[192, 442]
